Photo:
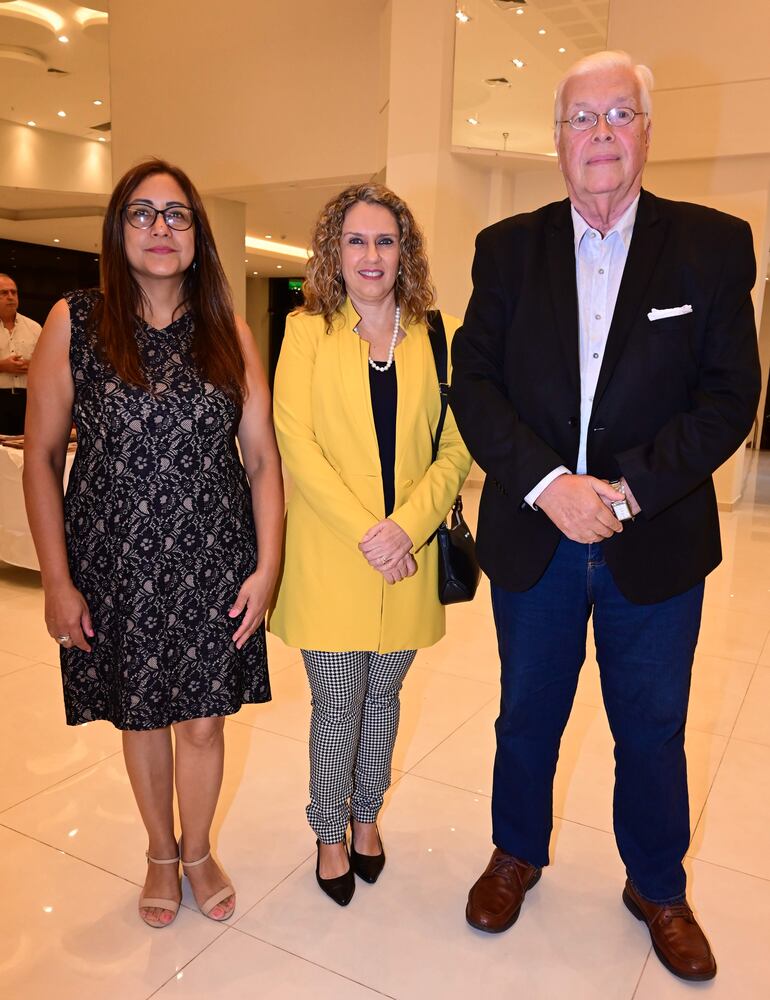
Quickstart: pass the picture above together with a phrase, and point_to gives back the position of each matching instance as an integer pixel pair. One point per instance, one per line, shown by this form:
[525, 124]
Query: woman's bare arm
[263, 467]
[50, 397]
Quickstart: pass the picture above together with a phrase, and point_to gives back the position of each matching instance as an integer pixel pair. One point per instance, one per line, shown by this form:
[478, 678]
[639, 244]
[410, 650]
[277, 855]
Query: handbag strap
[437, 335]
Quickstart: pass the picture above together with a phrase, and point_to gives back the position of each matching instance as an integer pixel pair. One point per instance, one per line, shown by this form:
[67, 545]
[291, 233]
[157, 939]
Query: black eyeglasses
[616, 117]
[141, 216]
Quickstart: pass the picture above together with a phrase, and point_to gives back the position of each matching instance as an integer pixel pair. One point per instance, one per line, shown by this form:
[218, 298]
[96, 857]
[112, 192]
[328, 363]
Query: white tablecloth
[16, 545]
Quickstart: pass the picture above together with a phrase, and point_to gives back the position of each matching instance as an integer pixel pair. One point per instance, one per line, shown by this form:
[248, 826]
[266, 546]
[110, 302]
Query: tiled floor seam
[193, 958]
[61, 781]
[457, 728]
[308, 961]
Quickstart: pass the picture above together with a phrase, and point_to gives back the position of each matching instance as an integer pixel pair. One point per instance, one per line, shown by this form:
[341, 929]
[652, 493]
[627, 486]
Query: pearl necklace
[391, 349]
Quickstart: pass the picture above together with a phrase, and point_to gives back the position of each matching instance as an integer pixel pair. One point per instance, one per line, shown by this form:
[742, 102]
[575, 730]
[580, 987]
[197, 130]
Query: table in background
[16, 545]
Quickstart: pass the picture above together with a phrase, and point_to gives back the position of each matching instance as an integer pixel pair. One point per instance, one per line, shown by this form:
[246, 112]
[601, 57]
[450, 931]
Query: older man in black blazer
[607, 365]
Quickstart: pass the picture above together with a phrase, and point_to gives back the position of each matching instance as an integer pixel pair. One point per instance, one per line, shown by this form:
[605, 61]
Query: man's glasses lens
[177, 217]
[617, 117]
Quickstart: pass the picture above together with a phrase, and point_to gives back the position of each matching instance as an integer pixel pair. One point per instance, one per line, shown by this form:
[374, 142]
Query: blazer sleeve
[504, 445]
[432, 498]
[316, 479]
[690, 446]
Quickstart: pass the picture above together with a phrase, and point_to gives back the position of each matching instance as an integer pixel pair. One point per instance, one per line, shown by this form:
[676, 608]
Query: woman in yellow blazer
[356, 407]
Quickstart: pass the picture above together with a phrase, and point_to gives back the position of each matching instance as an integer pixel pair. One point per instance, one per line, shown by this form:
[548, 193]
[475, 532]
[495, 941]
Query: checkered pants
[353, 729]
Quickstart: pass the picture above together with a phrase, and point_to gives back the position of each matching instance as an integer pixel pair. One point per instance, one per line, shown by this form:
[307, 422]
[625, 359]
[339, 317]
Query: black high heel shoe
[366, 866]
[341, 887]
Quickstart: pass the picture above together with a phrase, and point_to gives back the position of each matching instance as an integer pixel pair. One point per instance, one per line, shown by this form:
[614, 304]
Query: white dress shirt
[21, 340]
[599, 265]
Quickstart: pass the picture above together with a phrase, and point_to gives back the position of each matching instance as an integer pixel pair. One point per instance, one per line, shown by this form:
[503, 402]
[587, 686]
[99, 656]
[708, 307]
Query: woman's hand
[66, 613]
[407, 567]
[385, 545]
[253, 599]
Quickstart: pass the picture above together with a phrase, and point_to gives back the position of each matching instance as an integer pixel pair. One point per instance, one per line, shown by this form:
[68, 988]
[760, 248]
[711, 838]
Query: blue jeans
[645, 655]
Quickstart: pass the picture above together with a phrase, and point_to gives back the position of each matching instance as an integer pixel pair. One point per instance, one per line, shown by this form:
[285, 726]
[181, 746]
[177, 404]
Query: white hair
[608, 59]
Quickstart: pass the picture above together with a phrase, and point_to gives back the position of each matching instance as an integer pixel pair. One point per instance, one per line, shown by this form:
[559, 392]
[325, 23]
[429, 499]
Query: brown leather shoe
[495, 900]
[678, 941]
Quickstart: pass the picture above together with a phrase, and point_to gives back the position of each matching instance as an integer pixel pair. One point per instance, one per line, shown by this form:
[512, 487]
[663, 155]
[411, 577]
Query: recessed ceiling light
[246, 261]
[255, 272]
[32, 124]
[98, 103]
[519, 10]
[279, 266]
[62, 114]
[518, 63]
[63, 39]
[101, 139]
[541, 31]
[268, 236]
[462, 17]
[562, 49]
[56, 240]
[472, 120]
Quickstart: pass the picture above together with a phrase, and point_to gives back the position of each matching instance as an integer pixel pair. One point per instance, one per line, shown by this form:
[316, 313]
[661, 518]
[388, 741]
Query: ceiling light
[462, 17]
[255, 272]
[284, 249]
[87, 17]
[246, 261]
[62, 114]
[268, 236]
[519, 10]
[63, 39]
[562, 49]
[101, 139]
[98, 103]
[518, 63]
[472, 120]
[36, 12]
[56, 240]
[541, 31]
[279, 266]
[32, 124]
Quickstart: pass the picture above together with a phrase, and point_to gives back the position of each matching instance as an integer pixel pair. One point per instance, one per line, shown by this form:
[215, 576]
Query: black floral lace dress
[160, 537]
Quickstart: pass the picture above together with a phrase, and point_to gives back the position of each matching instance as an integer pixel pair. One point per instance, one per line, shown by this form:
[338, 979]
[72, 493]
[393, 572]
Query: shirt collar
[624, 227]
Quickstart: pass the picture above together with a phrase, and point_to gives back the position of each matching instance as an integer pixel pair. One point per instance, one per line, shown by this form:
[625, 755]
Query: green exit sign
[295, 284]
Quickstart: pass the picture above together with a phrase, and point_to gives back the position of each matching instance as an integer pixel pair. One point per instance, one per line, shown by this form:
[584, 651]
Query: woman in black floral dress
[152, 584]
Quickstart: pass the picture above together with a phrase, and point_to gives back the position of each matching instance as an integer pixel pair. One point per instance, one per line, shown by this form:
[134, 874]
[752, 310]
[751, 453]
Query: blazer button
[408, 482]
[573, 421]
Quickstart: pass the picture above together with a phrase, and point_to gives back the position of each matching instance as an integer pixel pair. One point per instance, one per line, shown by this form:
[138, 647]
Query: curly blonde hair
[324, 287]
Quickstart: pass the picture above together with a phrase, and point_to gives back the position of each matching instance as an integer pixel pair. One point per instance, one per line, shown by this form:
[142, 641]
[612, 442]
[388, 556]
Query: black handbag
[458, 568]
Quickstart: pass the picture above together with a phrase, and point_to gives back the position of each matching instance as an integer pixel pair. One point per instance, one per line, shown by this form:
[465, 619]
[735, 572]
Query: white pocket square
[654, 314]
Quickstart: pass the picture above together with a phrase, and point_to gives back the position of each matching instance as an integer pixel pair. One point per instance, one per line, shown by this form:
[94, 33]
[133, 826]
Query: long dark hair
[216, 349]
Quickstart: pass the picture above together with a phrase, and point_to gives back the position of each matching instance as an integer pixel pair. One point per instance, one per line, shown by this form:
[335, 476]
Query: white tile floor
[71, 845]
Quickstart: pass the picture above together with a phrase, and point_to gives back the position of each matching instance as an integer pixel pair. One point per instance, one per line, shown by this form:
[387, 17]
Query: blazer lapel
[650, 231]
[411, 357]
[560, 250]
[354, 375]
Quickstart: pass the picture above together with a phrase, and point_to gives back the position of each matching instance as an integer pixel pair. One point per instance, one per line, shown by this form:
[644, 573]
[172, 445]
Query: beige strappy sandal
[172, 905]
[218, 897]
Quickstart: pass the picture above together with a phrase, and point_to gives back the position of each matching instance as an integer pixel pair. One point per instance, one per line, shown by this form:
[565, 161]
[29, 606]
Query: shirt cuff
[532, 496]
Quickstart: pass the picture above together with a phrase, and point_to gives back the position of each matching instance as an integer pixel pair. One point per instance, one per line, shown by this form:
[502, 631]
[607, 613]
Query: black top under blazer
[674, 400]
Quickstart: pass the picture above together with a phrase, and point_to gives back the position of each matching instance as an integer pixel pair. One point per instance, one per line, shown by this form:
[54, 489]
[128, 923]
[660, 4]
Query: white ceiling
[484, 48]
[30, 55]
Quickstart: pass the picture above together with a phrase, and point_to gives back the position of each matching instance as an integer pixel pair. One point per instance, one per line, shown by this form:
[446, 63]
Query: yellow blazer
[329, 597]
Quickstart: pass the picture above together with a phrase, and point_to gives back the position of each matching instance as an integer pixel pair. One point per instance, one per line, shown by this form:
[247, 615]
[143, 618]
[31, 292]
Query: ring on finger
[61, 639]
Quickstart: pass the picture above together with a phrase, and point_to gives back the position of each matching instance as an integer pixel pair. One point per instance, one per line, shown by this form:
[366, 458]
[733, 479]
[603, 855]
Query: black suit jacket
[674, 400]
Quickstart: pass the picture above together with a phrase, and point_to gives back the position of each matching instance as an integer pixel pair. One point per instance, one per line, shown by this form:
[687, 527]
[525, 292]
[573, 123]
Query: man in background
[18, 339]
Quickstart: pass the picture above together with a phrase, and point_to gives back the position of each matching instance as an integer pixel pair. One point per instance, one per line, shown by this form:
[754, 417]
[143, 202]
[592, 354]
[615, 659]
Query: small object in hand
[63, 638]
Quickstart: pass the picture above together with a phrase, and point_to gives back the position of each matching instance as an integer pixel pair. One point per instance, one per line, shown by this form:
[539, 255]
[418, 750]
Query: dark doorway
[285, 296]
[43, 274]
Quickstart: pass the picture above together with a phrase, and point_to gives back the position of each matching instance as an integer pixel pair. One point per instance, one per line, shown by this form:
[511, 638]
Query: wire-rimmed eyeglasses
[616, 117]
[142, 216]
